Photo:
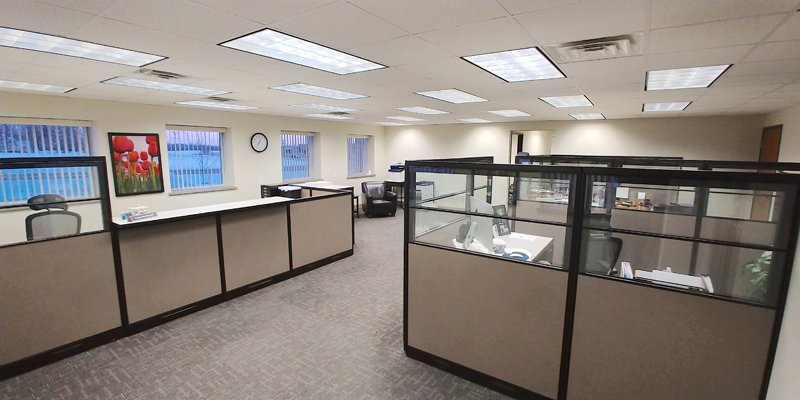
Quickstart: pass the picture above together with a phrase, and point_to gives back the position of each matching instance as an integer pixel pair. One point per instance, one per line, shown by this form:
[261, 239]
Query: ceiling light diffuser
[319, 91]
[474, 120]
[517, 65]
[567, 101]
[454, 96]
[673, 106]
[392, 123]
[404, 118]
[510, 113]
[170, 87]
[587, 116]
[214, 104]
[324, 107]
[75, 48]
[35, 86]
[684, 78]
[327, 116]
[422, 110]
[280, 46]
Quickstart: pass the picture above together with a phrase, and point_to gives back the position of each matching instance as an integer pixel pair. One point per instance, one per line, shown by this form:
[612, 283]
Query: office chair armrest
[391, 196]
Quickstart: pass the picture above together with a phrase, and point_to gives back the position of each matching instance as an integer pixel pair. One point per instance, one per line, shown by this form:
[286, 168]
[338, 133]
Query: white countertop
[185, 212]
[325, 185]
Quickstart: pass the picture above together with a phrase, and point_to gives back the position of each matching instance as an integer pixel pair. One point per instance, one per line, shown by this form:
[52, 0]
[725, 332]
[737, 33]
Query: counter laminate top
[202, 210]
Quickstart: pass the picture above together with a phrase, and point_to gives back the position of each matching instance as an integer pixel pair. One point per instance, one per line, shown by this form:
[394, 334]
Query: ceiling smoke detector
[597, 49]
[160, 74]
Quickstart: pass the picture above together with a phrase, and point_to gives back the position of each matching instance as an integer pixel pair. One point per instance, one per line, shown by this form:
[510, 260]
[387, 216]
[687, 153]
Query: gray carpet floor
[332, 333]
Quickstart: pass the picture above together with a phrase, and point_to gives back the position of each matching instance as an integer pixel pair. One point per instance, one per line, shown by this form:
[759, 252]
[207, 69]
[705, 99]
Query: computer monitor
[483, 229]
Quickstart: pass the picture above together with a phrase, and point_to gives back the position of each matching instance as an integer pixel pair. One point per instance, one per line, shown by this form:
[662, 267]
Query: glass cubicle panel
[488, 216]
[50, 198]
[716, 237]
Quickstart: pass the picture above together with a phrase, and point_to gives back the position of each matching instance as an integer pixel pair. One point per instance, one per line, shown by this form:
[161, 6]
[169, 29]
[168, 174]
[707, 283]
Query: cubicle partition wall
[62, 292]
[589, 282]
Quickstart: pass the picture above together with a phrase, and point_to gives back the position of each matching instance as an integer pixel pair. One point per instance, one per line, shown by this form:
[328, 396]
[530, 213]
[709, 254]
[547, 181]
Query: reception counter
[64, 295]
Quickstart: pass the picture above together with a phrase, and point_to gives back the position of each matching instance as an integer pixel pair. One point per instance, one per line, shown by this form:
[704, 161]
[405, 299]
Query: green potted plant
[759, 272]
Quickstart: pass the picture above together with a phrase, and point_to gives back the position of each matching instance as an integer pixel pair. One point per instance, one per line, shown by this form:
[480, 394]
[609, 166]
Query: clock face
[259, 142]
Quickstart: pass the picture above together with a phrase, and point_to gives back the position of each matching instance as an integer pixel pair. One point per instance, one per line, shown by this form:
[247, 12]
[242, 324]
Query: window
[24, 140]
[297, 155]
[358, 156]
[195, 157]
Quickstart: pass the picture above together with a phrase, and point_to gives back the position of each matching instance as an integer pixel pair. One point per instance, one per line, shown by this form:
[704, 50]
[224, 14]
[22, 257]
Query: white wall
[784, 384]
[250, 169]
[695, 138]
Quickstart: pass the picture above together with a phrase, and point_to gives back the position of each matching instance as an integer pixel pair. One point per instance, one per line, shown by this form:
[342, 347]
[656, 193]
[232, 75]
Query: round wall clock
[259, 142]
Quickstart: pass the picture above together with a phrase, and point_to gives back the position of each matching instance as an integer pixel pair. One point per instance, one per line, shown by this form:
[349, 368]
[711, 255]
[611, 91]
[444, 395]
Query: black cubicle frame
[750, 172]
[126, 328]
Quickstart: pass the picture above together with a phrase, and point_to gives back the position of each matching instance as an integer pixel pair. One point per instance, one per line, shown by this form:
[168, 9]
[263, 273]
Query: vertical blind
[297, 155]
[22, 140]
[357, 155]
[195, 157]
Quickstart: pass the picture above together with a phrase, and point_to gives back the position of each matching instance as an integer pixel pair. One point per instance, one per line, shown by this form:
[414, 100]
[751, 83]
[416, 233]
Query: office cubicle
[662, 284]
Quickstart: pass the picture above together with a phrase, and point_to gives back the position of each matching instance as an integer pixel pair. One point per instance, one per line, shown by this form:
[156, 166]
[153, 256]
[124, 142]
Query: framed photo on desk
[503, 227]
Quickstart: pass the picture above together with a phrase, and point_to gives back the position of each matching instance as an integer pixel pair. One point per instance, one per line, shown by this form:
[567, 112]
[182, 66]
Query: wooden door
[770, 148]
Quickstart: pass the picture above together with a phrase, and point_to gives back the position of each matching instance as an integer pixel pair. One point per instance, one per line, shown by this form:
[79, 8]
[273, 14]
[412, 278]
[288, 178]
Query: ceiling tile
[754, 80]
[765, 67]
[400, 51]
[585, 20]
[698, 58]
[257, 10]
[182, 18]
[416, 16]
[666, 13]
[714, 34]
[481, 37]
[775, 51]
[122, 34]
[597, 67]
[41, 18]
[523, 6]
[94, 7]
[789, 30]
[339, 25]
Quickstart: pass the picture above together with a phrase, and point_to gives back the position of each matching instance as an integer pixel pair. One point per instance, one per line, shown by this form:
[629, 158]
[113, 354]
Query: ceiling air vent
[160, 74]
[338, 113]
[219, 99]
[597, 49]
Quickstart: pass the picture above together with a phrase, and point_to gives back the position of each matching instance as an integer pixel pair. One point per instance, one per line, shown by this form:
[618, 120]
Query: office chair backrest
[602, 254]
[51, 223]
[374, 189]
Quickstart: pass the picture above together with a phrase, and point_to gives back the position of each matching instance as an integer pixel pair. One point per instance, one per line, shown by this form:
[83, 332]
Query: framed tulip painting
[136, 161]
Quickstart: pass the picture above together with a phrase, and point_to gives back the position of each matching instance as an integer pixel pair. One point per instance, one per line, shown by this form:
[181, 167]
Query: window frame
[224, 166]
[370, 153]
[312, 157]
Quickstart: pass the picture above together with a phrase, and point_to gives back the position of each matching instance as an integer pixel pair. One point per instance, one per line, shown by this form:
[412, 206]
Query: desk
[401, 196]
[538, 248]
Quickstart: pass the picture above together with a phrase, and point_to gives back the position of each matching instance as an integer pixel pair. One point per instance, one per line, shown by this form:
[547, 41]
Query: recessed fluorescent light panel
[673, 106]
[684, 78]
[474, 120]
[517, 65]
[510, 113]
[587, 116]
[422, 110]
[324, 107]
[407, 119]
[274, 44]
[454, 96]
[567, 101]
[35, 86]
[214, 104]
[392, 123]
[170, 87]
[75, 48]
[327, 116]
[319, 91]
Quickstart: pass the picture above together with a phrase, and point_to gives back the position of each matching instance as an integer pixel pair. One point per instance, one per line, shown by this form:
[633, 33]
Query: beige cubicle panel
[56, 292]
[633, 342]
[169, 265]
[321, 228]
[255, 245]
[498, 317]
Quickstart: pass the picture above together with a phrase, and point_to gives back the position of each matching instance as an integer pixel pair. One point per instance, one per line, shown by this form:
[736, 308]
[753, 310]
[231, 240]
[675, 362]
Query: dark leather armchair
[378, 200]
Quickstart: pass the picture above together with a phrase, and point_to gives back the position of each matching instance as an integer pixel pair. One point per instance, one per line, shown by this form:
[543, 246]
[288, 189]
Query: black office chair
[55, 221]
[601, 254]
[378, 199]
